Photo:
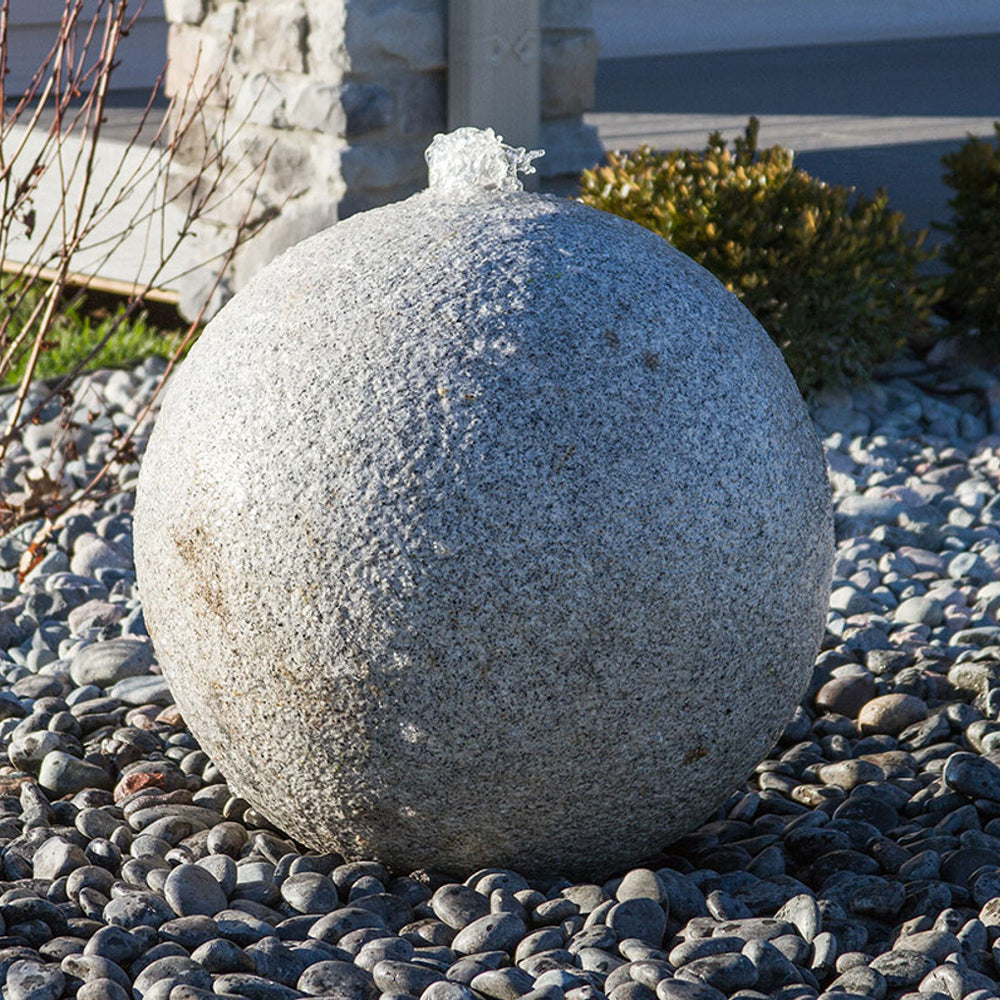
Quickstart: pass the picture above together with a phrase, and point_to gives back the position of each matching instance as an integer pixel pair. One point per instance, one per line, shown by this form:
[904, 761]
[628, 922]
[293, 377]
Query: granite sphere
[485, 531]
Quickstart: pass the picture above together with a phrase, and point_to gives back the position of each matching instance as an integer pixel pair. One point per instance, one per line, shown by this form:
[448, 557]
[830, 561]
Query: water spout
[469, 161]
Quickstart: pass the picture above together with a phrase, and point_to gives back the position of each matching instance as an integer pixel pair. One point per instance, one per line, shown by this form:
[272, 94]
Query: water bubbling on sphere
[471, 160]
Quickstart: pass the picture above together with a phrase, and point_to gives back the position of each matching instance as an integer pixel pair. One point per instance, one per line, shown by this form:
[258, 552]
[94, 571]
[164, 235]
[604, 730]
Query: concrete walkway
[866, 115]
[137, 225]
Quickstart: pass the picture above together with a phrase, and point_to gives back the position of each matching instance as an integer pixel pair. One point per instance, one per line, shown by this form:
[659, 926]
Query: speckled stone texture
[487, 531]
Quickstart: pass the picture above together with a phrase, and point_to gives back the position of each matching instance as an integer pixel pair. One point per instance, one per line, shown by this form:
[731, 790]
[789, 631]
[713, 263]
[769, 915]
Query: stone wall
[342, 97]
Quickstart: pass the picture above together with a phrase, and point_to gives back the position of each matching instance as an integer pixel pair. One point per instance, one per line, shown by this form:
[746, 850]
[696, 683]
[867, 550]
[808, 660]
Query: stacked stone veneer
[341, 97]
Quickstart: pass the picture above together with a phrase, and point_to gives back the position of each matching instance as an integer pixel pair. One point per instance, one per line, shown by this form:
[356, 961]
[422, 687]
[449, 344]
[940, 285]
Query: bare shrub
[53, 133]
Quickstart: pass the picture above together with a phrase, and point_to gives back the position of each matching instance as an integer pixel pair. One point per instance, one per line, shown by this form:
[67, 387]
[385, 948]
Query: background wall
[341, 98]
[32, 28]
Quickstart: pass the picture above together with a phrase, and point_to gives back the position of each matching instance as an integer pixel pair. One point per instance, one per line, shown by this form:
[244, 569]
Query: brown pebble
[10, 785]
[172, 776]
[891, 713]
[171, 716]
[143, 717]
[138, 780]
[845, 695]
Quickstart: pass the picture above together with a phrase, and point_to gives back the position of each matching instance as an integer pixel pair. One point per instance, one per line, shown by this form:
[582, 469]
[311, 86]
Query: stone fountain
[482, 529]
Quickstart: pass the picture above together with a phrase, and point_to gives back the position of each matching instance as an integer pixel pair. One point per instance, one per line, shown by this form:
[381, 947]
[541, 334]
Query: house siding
[31, 34]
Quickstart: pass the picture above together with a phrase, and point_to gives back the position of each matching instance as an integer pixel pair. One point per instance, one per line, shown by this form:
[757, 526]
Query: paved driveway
[867, 115]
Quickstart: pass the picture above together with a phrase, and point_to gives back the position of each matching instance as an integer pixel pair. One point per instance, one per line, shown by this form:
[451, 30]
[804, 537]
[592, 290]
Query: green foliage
[972, 288]
[829, 274]
[78, 331]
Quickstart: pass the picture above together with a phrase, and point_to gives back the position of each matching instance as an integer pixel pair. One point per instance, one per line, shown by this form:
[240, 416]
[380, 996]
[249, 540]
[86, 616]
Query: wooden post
[494, 68]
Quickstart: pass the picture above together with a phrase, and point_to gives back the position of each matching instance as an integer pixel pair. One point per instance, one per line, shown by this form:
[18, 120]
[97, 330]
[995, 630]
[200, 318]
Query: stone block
[316, 106]
[567, 14]
[184, 11]
[179, 184]
[328, 57]
[298, 219]
[408, 33]
[221, 20]
[183, 184]
[325, 150]
[485, 529]
[199, 58]
[262, 100]
[263, 168]
[196, 62]
[357, 201]
[196, 134]
[367, 107]
[288, 170]
[272, 36]
[423, 104]
[370, 165]
[202, 293]
[569, 68]
[570, 146]
[201, 289]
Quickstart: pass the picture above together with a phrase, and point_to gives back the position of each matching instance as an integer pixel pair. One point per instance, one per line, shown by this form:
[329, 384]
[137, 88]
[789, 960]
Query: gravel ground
[861, 858]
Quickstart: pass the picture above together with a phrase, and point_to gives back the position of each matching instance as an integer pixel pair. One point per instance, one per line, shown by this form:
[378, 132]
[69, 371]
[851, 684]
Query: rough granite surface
[485, 532]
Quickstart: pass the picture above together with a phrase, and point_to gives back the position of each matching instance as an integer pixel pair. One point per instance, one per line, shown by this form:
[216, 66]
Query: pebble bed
[860, 859]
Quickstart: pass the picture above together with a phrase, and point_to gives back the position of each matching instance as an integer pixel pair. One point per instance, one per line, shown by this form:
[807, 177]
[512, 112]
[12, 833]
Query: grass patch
[82, 323]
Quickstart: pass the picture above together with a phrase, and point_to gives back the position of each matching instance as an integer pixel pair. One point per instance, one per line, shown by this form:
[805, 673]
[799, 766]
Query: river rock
[192, 890]
[63, 774]
[107, 663]
[481, 444]
[891, 713]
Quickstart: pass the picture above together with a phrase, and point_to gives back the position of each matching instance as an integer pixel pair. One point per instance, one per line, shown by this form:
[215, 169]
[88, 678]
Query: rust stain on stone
[195, 548]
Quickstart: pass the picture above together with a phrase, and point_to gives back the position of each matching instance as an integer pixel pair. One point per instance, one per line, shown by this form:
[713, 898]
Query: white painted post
[494, 74]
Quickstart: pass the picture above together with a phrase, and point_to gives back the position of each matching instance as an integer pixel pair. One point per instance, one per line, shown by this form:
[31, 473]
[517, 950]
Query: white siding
[660, 27]
[34, 25]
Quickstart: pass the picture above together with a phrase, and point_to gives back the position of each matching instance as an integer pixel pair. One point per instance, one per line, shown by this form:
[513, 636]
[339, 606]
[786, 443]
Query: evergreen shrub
[830, 274]
[972, 286]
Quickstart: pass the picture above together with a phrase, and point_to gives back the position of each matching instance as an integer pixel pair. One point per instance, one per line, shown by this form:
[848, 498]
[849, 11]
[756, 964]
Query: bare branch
[72, 85]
